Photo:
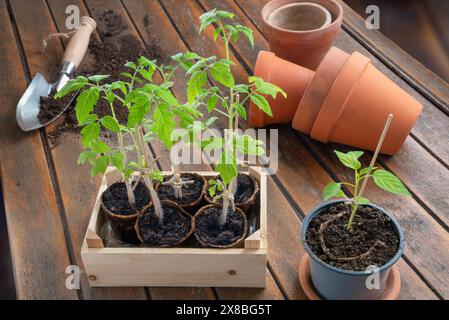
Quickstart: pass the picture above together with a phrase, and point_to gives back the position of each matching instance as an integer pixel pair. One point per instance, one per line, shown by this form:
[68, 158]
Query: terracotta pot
[318, 88]
[300, 33]
[358, 119]
[292, 78]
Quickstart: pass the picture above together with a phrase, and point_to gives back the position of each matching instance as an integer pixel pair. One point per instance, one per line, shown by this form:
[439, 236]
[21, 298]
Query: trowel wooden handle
[77, 47]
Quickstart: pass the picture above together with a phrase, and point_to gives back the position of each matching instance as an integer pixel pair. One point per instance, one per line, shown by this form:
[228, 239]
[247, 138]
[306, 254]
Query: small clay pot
[299, 31]
[246, 205]
[218, 237]
[358, 118]
[166, 192]
[147, 221]
[318, 89]
[124, 219]
[292, 78]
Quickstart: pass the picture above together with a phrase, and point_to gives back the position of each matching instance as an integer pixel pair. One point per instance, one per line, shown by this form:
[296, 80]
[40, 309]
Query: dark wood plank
[301, 182]
[431, 127]
[78, 189]
[36, 234]
[145, 16]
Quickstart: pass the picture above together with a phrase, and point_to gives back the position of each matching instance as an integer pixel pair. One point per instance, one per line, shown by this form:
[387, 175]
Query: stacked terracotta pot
[346, 100]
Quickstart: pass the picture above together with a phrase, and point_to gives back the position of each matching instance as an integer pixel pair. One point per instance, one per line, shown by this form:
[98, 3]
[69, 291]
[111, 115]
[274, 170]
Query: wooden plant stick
[376, 153]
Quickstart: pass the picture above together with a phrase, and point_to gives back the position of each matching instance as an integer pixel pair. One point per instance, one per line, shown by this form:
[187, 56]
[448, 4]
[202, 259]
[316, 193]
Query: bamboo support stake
[376, 153]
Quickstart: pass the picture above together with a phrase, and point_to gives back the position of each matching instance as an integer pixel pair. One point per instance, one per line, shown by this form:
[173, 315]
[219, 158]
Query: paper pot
[299, 31]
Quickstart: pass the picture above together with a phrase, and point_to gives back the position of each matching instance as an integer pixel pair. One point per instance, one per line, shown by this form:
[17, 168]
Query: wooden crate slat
[31, 208]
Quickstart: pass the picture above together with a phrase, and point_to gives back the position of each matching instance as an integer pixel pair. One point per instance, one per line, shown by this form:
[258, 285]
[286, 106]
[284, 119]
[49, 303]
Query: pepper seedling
[225, 100]
[382, 178]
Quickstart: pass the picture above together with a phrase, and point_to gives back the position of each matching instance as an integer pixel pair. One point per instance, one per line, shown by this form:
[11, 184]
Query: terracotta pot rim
[319, 73]
[231, 245]
[322, 130]
[172, 204]
[197, 201]
[328, 27]
[122, 216]
[248, 202]
[311, 4]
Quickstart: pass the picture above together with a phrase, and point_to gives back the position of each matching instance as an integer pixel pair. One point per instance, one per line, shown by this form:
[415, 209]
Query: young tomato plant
[225, 100]
[382, 178]
[150, 109]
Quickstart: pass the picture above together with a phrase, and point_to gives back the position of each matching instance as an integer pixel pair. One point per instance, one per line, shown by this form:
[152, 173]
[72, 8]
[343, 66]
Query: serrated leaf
[348, 159]
[136, 114]
[363, 200]
[85, 103]
[221, 72]
[241, 111]
[90, 133]
[261, 103]
[110, 123]
[211, 103]
[98, 78]
[99, 146]
[166, 96]
[227, 166]
[355, 154]
[86, 156]
[100, 165]
[164, 125]
[389, 182]
[366, 170]
[117, 160]
[71, 85]
[195, 84]
[131, 65]
[332, 189]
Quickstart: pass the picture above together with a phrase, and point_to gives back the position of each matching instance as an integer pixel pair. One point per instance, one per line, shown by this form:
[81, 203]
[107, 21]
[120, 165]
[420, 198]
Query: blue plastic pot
[337, 284]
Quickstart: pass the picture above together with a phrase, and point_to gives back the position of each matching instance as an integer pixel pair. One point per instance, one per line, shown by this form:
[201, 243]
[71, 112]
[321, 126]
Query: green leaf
[136, 114]
[241, 110]
[164, 125]
[248, 145]
[363, 200]
[221, 72]
[217, 33]
[227, 166]
[110, 123]
[100, 165]
[212, 190]
[349, 159]
[89, 119]
[355, 154]
[248, 34]
[241, 88]
[71, 85]
[86, 156]
[261, 103]
[98, 78]
[166, 96]
[85, 103]
[117, 160]
[211, 103]
[333, 189]
[389, 182]
[366, 170]
[90, 133]
[146, 74]
[131, 65]
[99, 146]
[195, 84]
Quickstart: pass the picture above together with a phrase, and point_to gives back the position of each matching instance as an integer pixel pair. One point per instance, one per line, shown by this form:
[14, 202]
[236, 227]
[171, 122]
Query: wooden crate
[180, 267]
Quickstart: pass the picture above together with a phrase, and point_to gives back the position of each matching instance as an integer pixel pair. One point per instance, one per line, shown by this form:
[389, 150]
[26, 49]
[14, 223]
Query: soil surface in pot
[211, 232]
[370, 231]
[191, 192]
[115, 198]
[245, 189]
[174, 227]
[107, 56]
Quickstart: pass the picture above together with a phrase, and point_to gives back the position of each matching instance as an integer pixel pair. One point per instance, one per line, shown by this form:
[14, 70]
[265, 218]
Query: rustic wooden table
[48, 197]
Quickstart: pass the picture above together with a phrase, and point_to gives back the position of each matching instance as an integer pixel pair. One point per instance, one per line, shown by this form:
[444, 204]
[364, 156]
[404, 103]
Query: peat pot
[338, 284]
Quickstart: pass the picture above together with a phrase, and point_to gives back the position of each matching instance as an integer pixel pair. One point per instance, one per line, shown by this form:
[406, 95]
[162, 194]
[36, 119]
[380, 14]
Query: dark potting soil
[174, 227]
[245, 189]
[50, 107]
[115, 198]
[210, 231]
[191, 192]
[370, 226]
[105, 58]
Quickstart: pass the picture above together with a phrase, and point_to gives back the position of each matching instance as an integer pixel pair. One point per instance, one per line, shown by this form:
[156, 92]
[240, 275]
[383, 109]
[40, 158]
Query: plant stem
[355, 203]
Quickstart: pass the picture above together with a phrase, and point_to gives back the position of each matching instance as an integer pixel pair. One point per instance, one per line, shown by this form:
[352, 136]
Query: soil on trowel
[115, 198]
[191, 192]
[50, 107]
[209, 230]
[105, 57]
[372, 231]
[245, 189]
[174, 227]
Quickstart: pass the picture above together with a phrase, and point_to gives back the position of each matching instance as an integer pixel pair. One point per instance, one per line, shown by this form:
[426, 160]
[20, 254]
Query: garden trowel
[28, 107]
